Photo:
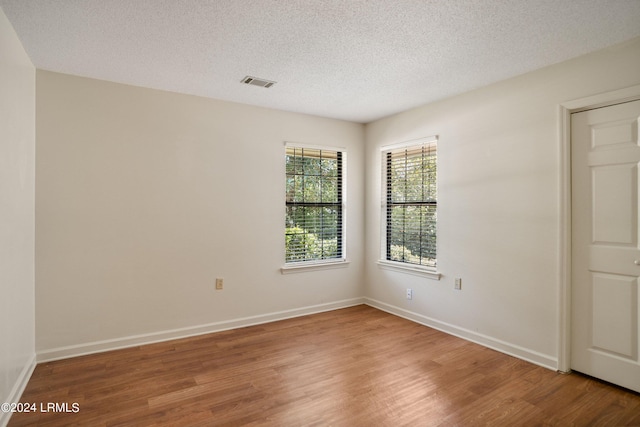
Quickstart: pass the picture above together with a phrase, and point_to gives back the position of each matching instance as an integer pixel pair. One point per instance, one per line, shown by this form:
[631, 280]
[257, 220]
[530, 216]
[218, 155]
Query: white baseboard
[534, 357]
[18, 388]
[135, 340]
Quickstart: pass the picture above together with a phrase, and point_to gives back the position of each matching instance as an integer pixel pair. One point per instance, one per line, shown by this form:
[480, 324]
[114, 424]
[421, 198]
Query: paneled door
[605, 327]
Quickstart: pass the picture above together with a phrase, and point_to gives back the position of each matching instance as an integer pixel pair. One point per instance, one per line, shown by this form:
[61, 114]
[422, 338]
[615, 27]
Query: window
[314, 204]
[410, 202]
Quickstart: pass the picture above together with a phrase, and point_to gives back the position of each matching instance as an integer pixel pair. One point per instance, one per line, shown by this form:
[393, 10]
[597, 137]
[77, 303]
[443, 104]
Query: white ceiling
[356, 60]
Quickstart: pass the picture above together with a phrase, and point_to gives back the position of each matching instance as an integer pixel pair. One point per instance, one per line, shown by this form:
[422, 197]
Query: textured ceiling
[356, 60]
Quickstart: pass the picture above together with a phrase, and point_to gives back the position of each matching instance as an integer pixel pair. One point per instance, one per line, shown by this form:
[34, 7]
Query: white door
[605, 154]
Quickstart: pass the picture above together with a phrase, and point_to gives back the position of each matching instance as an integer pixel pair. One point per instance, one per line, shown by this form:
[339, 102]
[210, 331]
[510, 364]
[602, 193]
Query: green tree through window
[411, 202]
[313, 226]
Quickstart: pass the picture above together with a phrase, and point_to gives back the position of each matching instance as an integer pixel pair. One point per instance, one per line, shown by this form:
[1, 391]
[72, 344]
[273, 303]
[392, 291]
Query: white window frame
[314, 265]
[383, 262]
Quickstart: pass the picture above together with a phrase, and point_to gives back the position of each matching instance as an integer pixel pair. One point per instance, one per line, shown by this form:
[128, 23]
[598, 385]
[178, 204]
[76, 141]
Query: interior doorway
[605, 248]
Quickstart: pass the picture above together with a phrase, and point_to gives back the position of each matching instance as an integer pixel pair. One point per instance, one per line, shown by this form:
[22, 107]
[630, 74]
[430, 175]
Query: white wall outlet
[458, 284]
[409, 293]
[219, 283]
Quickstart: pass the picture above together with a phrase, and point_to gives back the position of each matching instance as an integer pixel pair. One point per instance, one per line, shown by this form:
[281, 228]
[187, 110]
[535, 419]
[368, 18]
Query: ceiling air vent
[257, 82]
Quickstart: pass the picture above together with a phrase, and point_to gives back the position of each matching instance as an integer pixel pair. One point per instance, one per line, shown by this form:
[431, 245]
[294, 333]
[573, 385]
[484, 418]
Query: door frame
[565, 110]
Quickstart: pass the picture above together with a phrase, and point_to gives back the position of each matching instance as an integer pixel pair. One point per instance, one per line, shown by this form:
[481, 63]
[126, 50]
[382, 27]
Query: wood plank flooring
[352, 367]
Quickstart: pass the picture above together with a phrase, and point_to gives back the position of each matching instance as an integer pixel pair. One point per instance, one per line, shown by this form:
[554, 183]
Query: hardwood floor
[352, 367]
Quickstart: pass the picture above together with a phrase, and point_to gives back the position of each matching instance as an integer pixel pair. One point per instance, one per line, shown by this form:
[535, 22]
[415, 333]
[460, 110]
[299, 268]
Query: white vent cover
[258, 82]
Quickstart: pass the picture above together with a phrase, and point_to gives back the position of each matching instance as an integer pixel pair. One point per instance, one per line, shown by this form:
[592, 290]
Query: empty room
[314, 212]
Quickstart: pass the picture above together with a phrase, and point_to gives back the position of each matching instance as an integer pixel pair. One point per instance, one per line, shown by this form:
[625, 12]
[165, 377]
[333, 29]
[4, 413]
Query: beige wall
[145, 197]
[498, 207]
[17, 169]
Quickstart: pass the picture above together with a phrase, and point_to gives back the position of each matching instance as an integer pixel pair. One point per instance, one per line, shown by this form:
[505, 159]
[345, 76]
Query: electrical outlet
[409, 293]
[458, 284]
[219, 283]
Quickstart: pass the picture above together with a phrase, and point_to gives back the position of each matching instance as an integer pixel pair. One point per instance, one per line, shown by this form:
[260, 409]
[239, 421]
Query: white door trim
[564, 244]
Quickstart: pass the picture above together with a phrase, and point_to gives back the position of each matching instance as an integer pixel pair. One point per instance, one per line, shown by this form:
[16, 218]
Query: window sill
[313, 266]
[430, 273]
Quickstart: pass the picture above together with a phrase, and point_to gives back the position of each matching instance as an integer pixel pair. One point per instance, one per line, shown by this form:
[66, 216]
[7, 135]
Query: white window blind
[410, 206]
[314, 204]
